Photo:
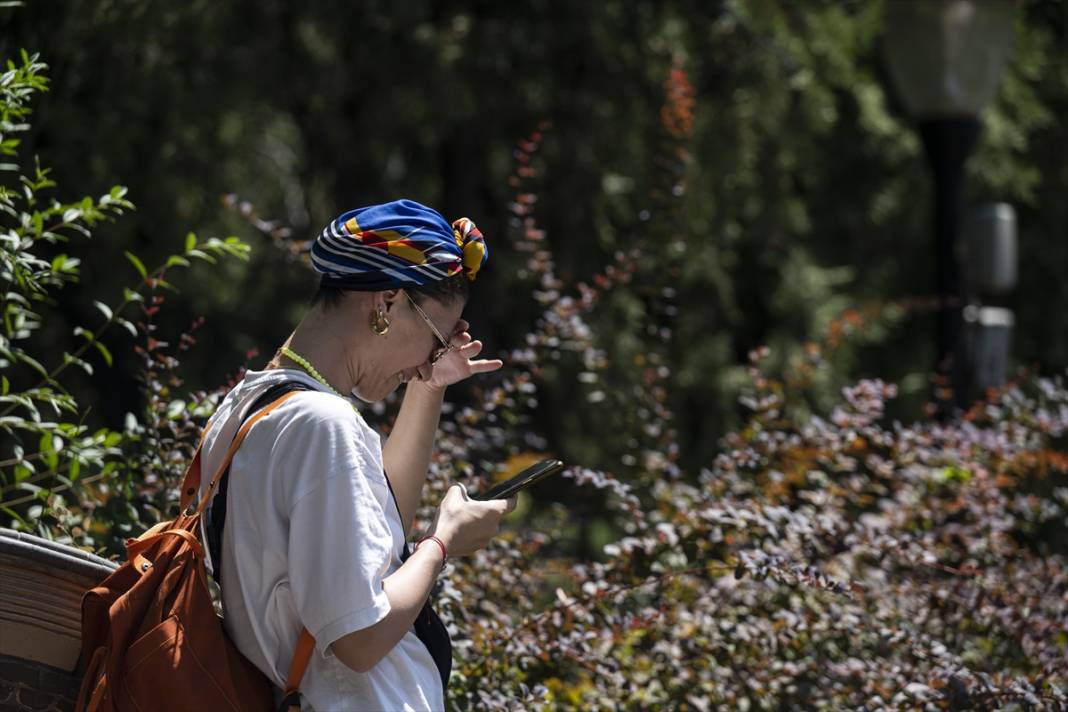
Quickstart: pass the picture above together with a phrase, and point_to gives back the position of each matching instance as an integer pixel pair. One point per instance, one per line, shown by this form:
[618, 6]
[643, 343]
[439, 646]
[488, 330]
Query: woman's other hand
[466, 525]
[460, 361]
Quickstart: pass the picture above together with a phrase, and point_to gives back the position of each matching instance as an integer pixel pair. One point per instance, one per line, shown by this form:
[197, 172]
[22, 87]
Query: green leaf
[190, 241]
[50, 446]
[16, 297]
[33, 363]
[128, 325]
[953, 474]
[5, 385]
[23, 472]
[131, 295]
[137, 263]
[16, 518]
[175, 409]
[201, 255]
[104, 309]
[177, 260]
[103, 352]
[81, 363]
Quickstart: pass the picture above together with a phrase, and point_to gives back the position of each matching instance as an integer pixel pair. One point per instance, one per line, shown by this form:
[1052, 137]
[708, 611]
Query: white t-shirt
[311, 531]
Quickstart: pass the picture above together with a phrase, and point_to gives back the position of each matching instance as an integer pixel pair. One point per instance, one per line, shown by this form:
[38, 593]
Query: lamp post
[945, 58]
[989, 252]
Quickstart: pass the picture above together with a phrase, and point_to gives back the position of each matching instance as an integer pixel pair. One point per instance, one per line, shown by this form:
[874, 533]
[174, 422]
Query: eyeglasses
[438, 353]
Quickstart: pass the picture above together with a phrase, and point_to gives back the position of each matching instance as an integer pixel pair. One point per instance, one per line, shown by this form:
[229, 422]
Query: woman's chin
[373, 395]
[360, 395]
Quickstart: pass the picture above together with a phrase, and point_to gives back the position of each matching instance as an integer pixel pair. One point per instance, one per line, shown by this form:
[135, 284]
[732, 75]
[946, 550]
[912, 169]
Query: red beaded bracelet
[439, 542]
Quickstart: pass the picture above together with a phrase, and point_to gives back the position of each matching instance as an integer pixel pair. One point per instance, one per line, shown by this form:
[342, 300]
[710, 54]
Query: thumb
[460, 491]
[501, 507]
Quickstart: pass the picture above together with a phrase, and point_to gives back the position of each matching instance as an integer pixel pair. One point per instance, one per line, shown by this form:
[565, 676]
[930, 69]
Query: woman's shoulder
[309, 407]
[314, 409]
[307, 396]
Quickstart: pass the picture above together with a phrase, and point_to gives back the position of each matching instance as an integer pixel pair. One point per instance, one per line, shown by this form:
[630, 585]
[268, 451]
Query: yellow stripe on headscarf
[405, 251]
[391, 235]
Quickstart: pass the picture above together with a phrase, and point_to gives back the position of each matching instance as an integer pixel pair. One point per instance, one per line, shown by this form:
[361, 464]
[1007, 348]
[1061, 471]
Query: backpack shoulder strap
[215, 512]
[215, 520]
[271, 398]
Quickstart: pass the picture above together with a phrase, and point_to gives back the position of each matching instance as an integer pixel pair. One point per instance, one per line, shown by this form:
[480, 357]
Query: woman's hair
[448, 291]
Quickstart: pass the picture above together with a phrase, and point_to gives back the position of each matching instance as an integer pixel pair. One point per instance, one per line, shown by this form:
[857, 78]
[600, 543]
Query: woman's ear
[384, 301]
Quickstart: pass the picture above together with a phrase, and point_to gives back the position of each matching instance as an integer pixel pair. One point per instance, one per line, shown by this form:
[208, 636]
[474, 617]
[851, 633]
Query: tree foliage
[805, 192]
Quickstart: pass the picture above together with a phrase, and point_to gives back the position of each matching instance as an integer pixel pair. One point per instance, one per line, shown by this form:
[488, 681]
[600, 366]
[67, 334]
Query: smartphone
[529, 476]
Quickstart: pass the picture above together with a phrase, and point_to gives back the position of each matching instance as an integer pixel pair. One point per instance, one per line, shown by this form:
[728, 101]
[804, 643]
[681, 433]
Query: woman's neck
[316, 340]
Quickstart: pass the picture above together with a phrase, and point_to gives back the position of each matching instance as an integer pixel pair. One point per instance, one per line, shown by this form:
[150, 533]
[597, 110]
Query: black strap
[215, 516]
[290, 700]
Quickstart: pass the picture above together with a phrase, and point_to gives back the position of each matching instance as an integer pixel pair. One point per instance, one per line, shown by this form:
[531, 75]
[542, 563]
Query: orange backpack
[151, 639]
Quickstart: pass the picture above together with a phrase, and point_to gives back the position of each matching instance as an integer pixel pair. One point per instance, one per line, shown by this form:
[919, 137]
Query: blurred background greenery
[799, 189]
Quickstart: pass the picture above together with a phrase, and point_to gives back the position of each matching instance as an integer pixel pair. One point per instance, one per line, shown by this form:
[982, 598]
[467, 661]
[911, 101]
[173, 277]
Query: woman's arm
[464, 526]
[406, 454]
[407, 589]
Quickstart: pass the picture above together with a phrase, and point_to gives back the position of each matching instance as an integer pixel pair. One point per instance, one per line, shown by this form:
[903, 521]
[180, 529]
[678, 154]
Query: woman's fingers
[460, 339]
[485, 365]
[471, 349]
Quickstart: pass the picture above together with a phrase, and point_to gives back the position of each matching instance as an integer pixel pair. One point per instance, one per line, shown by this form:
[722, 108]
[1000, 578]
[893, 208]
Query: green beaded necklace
[303, 363]
[311, 370]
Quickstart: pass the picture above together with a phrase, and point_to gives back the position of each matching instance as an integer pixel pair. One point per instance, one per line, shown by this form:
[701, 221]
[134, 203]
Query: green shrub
[58, 479]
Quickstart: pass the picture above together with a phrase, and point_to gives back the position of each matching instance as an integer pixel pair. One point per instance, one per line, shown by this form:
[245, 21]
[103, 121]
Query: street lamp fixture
[945, 59]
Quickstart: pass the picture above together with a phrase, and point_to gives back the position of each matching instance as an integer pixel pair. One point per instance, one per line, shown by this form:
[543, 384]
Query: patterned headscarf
[394, 245]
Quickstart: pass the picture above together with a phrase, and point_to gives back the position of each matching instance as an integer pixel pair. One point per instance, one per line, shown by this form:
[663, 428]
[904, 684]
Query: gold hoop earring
[379, 322]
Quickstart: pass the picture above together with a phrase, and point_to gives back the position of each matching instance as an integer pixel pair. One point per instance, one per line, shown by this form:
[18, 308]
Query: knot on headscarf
[472, 245]
[394, 245]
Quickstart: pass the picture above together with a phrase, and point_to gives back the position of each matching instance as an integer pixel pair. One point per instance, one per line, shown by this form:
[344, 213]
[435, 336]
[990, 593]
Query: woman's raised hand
[466, 525]
[460, 362]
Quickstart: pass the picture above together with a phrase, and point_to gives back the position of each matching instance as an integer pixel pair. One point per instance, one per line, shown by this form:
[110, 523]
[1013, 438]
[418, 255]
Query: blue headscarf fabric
[395, 245]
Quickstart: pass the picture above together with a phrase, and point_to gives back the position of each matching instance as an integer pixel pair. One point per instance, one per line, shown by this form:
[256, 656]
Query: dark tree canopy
[803, 190]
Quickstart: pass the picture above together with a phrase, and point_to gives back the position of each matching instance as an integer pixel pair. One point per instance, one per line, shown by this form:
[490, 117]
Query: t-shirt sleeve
[339, 539]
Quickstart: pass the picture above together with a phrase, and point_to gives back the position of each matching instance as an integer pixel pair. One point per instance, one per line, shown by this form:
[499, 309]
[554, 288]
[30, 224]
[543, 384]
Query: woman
[318, 510]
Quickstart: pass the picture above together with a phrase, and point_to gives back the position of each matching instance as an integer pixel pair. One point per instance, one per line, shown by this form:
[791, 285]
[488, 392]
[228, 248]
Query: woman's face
[404, 352]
